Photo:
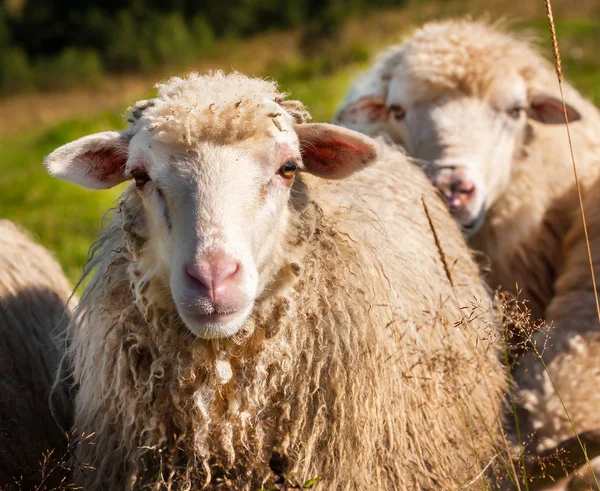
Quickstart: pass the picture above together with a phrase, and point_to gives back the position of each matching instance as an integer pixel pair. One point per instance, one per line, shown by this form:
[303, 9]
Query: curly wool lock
[356, 364]
[233, 112]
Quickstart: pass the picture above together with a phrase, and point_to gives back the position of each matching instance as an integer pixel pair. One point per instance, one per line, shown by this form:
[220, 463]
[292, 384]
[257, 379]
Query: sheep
[248, 325]
[34, 308]
[482, 110]
[570, 346]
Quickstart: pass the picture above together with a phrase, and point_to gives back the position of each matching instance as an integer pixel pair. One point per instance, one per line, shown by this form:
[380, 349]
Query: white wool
[221, 107]
[358, 362]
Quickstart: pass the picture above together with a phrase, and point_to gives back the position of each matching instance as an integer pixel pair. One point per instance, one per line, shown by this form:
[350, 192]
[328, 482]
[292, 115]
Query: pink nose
[457, 188]
[216, 276]
[458, 193]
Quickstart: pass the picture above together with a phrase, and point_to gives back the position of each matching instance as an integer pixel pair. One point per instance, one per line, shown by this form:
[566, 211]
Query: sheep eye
[397, 112]
[516, 111]
[140, 177]
[288, 169]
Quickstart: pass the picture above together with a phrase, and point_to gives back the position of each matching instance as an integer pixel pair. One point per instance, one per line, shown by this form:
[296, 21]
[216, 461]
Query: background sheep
[240, 318]
[468, 99]
[482, 109]
[33, 309]
[570, 346]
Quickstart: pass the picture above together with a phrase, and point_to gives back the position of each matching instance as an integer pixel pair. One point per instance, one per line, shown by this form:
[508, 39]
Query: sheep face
[463, 98]
[466, 142]
[215, 213]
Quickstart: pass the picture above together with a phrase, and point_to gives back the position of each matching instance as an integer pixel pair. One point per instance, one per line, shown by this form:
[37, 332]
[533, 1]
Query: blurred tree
[323, 24]
[15, 72]
[129, 35]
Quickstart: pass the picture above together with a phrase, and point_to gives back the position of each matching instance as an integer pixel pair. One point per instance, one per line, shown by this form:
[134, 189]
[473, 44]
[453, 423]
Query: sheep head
[461, 97]
[212, 161]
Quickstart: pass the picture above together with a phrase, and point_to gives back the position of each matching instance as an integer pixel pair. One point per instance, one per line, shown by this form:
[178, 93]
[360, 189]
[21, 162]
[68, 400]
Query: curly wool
[313, 375]
[357, 366]
[218, 107]
[34, 310]
[460, 55]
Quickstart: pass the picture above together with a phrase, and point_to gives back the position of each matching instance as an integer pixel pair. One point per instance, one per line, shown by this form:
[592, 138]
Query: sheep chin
[475, 225]
[217, 325]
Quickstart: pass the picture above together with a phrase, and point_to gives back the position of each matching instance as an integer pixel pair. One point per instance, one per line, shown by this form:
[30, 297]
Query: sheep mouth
[214, 315]
[471, 228]
[217, 323]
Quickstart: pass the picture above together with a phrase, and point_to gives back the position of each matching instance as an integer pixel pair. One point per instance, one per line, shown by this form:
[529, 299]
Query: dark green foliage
[71, 68]
[54, 44]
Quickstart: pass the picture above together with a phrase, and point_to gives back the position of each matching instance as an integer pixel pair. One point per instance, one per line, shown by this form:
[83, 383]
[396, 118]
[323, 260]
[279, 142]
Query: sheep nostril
[461, 187]
[215, 276]
[455, 185]
[200, 279]
[468, 188]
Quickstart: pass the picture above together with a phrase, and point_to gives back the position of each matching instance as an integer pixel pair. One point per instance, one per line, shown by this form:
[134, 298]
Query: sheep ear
[547, 109]
[333, 152]
[366, 110]
[95, 161]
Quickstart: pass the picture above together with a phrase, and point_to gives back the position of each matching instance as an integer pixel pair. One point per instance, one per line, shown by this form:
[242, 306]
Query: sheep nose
[454, 183]
[458, 193]
[216, 276]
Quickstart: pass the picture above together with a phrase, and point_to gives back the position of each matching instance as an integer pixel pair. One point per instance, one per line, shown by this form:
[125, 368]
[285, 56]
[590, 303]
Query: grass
[66, 219]
[62, 216]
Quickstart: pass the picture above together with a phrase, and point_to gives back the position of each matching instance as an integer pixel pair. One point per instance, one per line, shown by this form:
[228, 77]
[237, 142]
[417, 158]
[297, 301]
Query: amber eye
[515, 112]
[397, 112]
[288, 170]
[140, 177]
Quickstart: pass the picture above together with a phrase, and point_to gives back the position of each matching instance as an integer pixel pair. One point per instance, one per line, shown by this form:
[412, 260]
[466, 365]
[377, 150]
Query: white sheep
[247, 323]
[481, 109]
[33, 312]
[570, 346]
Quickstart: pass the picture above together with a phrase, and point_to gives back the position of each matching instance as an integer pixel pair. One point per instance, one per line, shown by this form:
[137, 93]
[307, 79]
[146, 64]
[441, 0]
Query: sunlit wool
[359, 363]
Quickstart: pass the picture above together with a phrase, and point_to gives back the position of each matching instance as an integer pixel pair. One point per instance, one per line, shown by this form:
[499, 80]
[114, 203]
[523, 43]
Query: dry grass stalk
[557, 65]
[438, 244]
[544, 469]
[559, 74]
[55, 469]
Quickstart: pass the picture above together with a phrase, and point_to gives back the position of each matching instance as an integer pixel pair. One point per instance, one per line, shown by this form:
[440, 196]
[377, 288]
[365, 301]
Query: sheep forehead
[215, 107]
[263, 151]
[502, 94]
[470, 57]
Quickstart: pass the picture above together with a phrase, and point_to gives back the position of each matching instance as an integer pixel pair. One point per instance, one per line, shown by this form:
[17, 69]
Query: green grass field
[66, 219]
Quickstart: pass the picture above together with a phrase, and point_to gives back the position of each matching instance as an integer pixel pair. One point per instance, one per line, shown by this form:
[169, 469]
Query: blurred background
[71, 68]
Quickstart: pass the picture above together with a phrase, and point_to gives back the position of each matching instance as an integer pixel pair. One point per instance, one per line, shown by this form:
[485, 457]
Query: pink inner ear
[328, 151]
[336, 158]
[550, 111]
[366, 110]
[105, 165]
[318, 154]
